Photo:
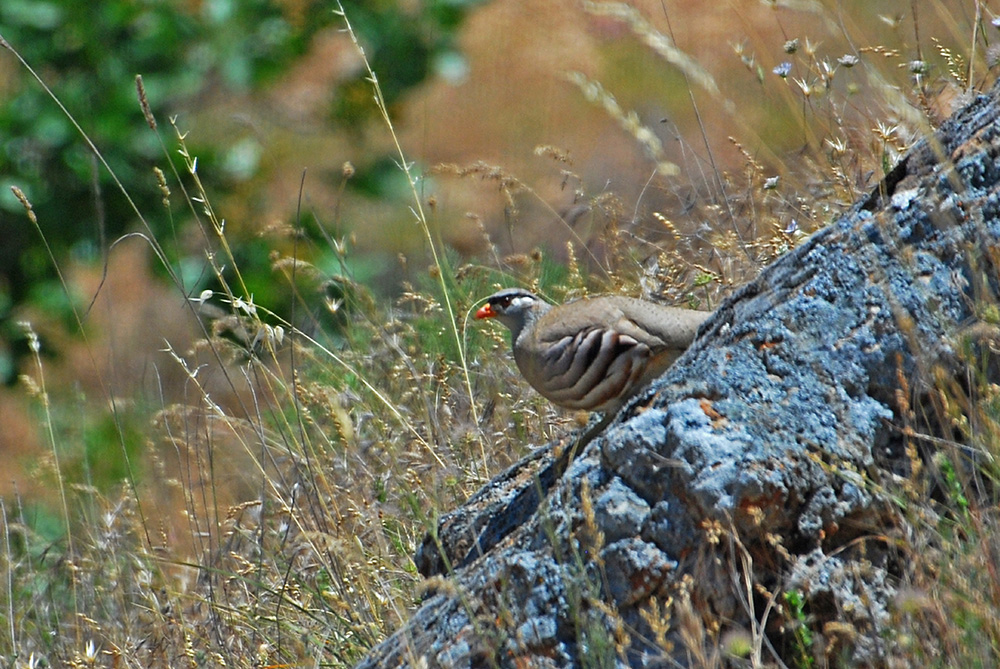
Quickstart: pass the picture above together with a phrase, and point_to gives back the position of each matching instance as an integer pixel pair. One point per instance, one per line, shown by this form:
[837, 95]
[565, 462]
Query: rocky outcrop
[755, 481]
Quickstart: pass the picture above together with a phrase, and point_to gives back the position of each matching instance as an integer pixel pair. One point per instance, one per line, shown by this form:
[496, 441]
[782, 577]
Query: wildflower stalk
[418, 212]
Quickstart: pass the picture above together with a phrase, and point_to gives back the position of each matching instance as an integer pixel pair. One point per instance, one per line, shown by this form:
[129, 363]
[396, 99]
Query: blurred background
[674, 125]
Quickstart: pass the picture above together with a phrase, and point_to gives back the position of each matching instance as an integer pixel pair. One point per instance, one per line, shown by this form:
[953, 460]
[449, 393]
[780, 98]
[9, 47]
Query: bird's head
[514, 307]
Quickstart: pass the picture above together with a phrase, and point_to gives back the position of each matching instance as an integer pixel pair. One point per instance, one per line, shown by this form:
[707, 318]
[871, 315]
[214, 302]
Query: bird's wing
[654, 325]
[658, 326]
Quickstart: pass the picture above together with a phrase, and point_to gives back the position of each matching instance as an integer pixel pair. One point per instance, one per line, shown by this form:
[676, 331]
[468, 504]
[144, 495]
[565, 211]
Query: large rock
[763, 463]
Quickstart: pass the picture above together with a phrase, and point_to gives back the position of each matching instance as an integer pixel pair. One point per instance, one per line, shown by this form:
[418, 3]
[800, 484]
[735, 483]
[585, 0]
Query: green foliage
[89, 55]
[380, 178]
[801, 631]
[402, 47]
[953, 484]
[111, 442]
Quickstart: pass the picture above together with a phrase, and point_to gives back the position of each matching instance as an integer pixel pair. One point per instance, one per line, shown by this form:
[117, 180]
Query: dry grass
[270, 520]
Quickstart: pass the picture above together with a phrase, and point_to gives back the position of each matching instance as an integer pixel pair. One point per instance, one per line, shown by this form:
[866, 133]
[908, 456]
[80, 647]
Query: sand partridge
[593, 353]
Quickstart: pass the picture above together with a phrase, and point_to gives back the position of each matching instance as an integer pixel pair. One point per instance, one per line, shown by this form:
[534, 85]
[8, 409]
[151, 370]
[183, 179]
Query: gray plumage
[593, 353]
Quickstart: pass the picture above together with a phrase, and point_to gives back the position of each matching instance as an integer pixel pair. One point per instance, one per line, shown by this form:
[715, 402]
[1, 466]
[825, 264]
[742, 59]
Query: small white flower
[90, 653]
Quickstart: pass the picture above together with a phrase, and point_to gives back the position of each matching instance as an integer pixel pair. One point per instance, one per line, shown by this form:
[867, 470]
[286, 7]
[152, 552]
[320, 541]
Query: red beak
[485, 311]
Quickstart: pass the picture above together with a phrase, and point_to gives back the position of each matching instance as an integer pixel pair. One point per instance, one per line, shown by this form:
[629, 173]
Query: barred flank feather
[594, 368]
